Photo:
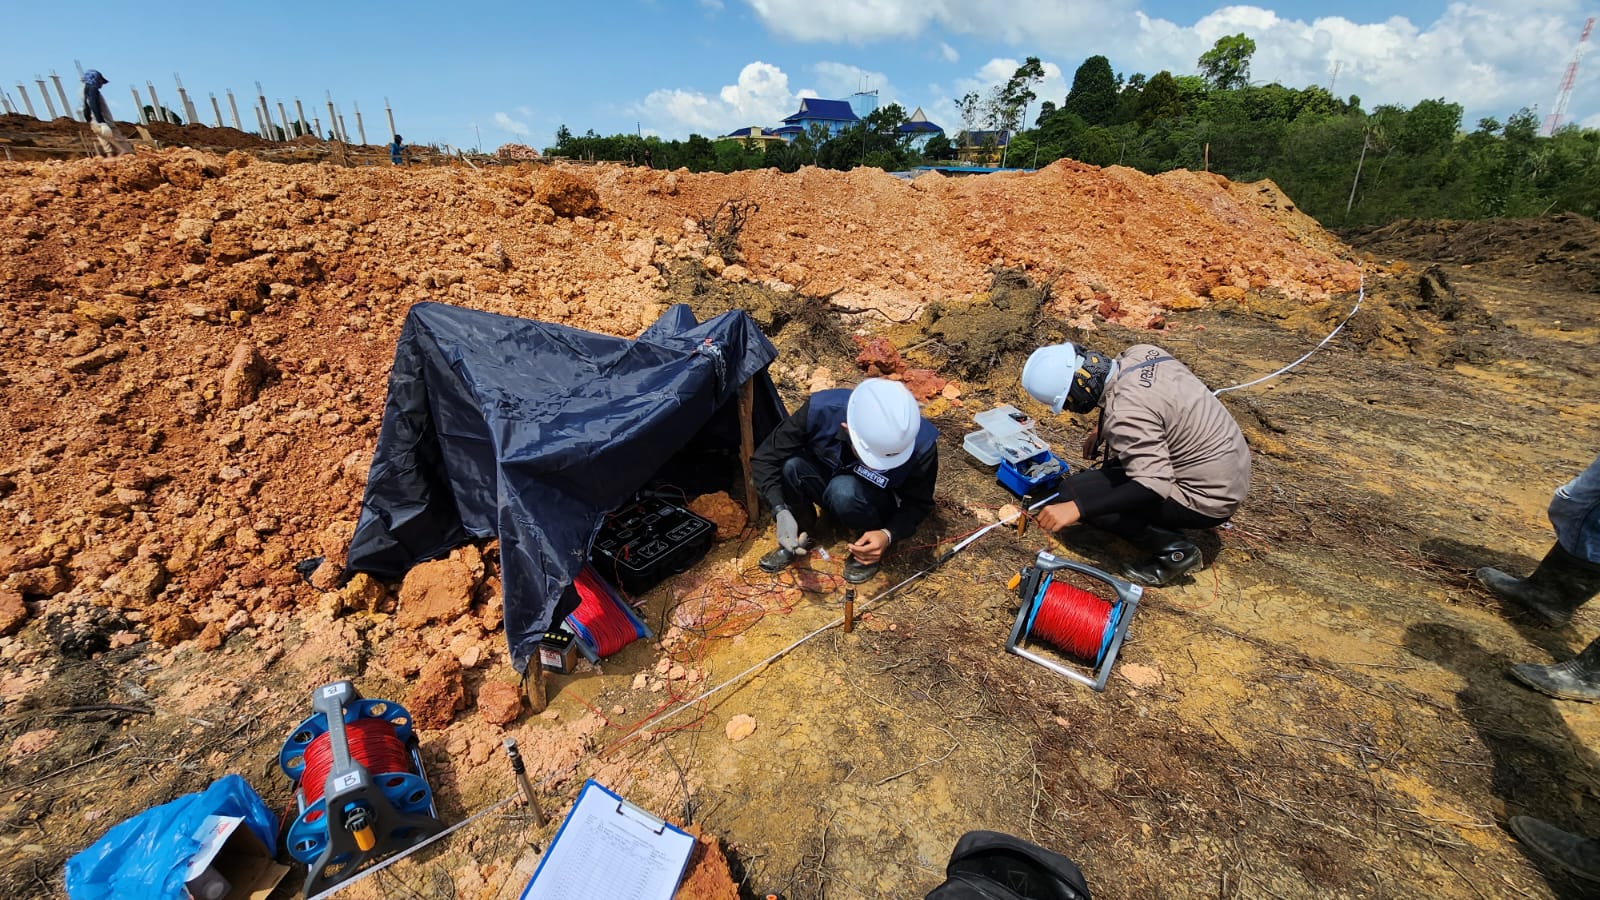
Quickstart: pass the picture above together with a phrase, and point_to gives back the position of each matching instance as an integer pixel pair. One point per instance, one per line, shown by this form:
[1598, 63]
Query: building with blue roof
[917, 130]
[982, 147]
[756, 133]
[834, 115]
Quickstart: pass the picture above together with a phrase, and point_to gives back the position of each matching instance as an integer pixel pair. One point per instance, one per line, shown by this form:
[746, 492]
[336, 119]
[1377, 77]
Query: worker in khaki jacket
[1175, 458]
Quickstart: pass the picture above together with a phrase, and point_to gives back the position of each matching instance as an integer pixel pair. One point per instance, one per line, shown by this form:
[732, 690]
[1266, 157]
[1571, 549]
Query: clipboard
[610, 849]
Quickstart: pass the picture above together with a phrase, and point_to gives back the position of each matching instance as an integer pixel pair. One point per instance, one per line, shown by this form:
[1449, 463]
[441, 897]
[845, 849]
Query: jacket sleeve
[916, 496]
[1098, 496]
[766, 464]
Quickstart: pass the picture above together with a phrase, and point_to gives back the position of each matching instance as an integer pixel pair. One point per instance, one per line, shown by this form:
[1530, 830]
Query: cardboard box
[231, 863]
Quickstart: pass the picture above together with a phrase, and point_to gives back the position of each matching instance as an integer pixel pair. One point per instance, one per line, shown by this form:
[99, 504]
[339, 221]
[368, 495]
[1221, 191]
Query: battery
[648, 541]
[557, 652]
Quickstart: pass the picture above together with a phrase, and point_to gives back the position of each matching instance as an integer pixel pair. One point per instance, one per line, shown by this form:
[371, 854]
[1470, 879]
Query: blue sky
[488, 73]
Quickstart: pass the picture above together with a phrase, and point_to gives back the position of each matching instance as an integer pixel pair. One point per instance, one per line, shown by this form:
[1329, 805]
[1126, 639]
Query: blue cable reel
[376, 813]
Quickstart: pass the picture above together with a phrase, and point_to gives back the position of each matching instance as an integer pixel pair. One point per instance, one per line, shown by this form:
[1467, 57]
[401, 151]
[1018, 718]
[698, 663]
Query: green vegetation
[1342, 164]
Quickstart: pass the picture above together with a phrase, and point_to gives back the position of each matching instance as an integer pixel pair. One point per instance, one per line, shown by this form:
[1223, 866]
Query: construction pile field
[194, 350]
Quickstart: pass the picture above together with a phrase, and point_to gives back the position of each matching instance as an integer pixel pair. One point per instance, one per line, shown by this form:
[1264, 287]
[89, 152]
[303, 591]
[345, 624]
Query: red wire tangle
[600, 614]
[373, 744]
[1072, 619]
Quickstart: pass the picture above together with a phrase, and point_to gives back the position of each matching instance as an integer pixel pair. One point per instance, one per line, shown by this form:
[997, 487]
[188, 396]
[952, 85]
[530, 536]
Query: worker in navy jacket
[866, 456]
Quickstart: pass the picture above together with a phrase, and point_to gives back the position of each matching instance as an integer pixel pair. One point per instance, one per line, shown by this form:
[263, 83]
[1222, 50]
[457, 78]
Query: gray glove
[789, 536]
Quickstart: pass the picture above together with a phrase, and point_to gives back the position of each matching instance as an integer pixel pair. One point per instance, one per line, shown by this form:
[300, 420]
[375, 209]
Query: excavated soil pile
[1111, 241]
[1562, 249]
[185, 331]
[193, 361]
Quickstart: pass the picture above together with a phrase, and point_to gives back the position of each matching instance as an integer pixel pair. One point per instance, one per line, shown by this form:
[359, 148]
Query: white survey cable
[1360, 296]
[662, 717]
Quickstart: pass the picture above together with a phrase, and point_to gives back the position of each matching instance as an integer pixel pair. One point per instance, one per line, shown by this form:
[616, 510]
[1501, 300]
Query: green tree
[1430, 126]
[1226, 66]
[1093, 97]
[970, 106]
[1012, 98]
[1159, 100]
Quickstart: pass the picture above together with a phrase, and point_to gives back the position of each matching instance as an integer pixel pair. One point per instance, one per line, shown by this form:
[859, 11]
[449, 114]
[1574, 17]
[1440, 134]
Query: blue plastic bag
[144, 858]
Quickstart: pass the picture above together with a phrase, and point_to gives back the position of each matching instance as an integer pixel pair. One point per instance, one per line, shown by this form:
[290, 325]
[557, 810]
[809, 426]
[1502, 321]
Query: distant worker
[866, 456]
[397, 151]
[1175, 458]
[1567, 578]
[98, 115]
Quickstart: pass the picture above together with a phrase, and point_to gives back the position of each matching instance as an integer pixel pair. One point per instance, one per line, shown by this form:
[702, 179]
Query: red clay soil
[194, 349]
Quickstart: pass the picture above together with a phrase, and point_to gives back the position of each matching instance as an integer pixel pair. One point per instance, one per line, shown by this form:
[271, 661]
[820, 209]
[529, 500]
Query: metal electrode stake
[522, 779]
[849, 610]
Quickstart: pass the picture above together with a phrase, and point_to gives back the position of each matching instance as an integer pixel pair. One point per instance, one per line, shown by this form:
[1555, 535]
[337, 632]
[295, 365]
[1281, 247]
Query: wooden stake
[747, 447]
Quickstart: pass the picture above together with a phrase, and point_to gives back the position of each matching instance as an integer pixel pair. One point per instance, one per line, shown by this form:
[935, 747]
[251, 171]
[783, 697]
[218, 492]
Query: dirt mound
[867, 240]
[195, 350]
[205, 137]
[1562, 249]
[139, 285]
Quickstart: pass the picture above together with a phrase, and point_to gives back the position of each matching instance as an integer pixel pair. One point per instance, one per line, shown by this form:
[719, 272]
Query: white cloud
[840, 80]
[509, 124]
[948, 53]
[761, 96]
[1492, 56]
[713, 5]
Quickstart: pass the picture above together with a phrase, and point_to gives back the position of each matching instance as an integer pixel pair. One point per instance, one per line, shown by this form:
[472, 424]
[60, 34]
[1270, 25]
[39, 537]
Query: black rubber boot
[776, 561]
[857, 572]
[1576, 679]
[1574, 853]
[1560, 585]
[1175, 556]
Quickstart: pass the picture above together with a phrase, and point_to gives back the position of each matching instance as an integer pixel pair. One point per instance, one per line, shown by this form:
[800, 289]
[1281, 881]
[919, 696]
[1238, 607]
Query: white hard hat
[884, 421]
[1047, 375]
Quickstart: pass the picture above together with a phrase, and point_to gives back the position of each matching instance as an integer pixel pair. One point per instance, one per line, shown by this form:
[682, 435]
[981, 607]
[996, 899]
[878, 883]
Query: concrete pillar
[344, 133]
[300, 114]
[5, 103]
[390, 113]
[333, 118]
[284, 118]
[66, 105]
[265, 111]
[28, 104]
[361, 130]
[158, 112]
[190, 114]
[316, 122]
[138, 106]
[233, 107]
[261, 125]
[49, 105]
[216, 108]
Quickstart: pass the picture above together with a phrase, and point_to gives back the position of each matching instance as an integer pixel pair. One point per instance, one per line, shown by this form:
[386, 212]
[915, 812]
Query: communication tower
[1553, 121]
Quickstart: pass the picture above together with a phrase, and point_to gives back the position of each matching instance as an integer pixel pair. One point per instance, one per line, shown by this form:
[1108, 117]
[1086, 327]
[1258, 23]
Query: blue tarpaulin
[531, 432]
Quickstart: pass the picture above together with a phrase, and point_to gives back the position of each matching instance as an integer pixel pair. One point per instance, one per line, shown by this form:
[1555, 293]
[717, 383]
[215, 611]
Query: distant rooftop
[812, 108]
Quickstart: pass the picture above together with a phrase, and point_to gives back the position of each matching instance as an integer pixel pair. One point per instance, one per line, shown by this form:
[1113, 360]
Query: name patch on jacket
[872, 475]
